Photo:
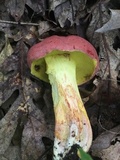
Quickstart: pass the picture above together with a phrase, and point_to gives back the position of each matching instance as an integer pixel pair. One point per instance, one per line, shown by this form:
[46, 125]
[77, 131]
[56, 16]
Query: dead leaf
[2, 39]
[44, 27]
[10, 78]
[21, 106]
[99, 13]
[12, 153]
[37, 6]
[113, 152]
[64, 11]
[103, 141]
[35, 128]
[7, 50]
[109, 57]
[113, 23]
[55, 3]
[8, 126]
[76, 3]
[15, 8]
[107, 145]
[30, 35]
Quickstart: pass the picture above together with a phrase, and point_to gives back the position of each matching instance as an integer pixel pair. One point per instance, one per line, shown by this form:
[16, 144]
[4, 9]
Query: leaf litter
[26, 112]
[22, 109]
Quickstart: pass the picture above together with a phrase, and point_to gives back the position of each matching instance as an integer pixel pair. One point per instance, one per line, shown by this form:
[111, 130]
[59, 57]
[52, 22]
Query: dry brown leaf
[7, 50]
[64, 11]
[111, 153]
[8, 126]
[103, 141]
[12, 153]
[113, 23]
[15, 8]
[37, 6]
[2, 39]
[109, 57]
[35, 128]
[107, 145]
[44, 27]
[18, 92]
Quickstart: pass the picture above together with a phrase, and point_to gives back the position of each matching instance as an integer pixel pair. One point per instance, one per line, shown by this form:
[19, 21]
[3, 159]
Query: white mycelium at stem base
[72, 124]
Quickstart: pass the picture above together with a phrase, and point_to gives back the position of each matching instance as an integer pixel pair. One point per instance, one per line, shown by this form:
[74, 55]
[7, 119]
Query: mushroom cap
[79, 49]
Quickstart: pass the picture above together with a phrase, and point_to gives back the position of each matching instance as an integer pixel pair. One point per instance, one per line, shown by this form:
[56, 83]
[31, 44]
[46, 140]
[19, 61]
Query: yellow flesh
[85, 66]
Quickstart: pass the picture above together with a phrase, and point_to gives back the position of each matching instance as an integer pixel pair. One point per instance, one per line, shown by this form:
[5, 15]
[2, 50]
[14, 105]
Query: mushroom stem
[72, 125]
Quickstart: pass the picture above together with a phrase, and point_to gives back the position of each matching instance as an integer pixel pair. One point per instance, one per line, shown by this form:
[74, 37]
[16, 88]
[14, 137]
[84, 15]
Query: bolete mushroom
[66, 62]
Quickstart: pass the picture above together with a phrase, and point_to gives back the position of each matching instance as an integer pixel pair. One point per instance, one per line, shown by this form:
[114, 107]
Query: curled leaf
[113, 23]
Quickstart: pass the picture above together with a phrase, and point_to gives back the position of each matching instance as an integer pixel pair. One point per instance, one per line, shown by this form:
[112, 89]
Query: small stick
[21, 23]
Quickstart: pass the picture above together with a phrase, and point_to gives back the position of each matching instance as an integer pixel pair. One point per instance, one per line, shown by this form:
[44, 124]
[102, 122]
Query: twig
[110, 79]
[19, 23]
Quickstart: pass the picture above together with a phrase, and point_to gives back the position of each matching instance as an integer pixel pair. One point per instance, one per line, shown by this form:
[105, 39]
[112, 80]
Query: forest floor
[26, 107]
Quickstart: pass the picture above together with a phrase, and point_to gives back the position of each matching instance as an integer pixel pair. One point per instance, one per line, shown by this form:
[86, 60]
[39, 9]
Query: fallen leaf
[113, 23]
[17, 94]
[15, 8]
[32, 146]
[31, 118]
[2, 39]
[12, 153]
[107, 145]
[30, 35]
[64, 11]
[103, 141]
[7, 50]
[44, 27]
[55, 3]
[37, 6]
[109, 57]
[8, 126]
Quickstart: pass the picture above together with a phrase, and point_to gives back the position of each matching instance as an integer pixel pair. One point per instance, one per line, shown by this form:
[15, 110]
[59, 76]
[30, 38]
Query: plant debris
[26, 107]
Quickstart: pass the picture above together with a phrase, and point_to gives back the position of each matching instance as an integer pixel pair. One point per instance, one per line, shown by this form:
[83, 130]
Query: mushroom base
[72, 125]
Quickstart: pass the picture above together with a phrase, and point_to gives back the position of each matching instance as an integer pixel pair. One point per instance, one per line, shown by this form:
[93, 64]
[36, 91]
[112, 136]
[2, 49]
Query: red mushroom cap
[69, 43]
[61, 43]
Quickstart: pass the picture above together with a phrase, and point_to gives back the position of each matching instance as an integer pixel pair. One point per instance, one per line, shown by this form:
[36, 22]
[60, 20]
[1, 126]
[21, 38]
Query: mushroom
[66, 62]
